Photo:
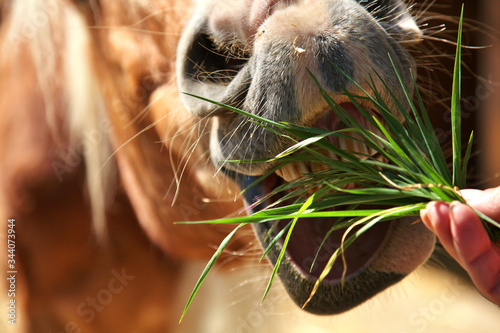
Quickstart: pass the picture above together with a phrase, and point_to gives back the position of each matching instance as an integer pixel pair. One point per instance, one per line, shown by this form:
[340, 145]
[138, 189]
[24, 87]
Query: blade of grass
[455, 110]
[275, 240]
[208, 267]
[239, 111]
[463, 175]
[285, 244]
[438, 157]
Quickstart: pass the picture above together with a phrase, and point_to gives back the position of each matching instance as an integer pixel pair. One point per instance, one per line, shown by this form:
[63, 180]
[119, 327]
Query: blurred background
[480, 77]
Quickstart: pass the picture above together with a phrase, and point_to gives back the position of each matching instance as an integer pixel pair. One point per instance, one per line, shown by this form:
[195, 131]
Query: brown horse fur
[57, 167]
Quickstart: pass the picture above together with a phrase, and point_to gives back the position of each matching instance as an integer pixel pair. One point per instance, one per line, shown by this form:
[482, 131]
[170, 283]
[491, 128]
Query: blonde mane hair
[58, 40]
[64, 41]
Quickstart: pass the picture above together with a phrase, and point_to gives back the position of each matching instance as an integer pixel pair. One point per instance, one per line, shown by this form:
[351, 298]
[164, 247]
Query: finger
[470, 194]
[475, 251]
[425, 215]
[436, 217]
[485, 201]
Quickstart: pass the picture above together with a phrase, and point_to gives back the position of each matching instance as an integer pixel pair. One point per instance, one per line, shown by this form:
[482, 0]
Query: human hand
[463, 236]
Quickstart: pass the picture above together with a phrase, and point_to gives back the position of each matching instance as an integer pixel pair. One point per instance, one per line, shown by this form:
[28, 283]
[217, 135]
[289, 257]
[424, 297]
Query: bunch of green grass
[413, 172]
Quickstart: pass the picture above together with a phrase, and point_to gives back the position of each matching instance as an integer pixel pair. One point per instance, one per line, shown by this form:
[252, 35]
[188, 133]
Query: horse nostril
[206, 70]
[207, 63]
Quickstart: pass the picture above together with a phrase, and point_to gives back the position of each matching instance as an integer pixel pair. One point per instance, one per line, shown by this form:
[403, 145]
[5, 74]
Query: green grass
[413, 172]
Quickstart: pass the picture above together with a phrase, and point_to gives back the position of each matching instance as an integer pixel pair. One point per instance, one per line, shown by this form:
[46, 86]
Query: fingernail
[426, 215]
[434, 212]
[453, 204]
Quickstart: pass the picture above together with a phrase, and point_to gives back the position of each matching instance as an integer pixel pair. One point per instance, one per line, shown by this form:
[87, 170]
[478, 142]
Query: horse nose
[250, 15]
[261, 10]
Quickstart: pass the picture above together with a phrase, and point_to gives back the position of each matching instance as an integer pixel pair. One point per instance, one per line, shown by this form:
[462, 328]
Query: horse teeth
[342, 144]
[315, 167]
[302, 168]
[295, 170]
[283, 173]
[332, 155]
[362, 149]
[371, 151]
[374, 129]
[292, 171]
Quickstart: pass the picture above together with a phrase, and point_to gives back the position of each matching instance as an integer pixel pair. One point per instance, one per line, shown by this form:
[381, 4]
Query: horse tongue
[306, 245]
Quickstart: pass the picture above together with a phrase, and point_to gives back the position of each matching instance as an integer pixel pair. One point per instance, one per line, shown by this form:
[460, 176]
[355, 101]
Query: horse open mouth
[312, 242]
